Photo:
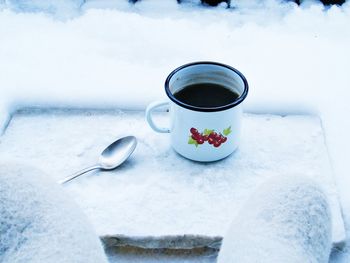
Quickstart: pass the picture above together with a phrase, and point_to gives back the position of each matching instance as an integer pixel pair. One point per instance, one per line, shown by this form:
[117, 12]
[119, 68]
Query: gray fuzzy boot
[287, 220]
[40, 223]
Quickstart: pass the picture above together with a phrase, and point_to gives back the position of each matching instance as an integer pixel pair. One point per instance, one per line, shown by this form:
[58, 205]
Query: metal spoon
[111, 157]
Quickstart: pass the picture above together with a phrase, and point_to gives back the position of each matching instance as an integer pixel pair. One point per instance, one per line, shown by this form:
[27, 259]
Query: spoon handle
[75, 175]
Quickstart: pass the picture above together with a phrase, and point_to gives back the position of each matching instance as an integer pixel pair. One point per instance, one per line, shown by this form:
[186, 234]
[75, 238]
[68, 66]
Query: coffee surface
[206, 95]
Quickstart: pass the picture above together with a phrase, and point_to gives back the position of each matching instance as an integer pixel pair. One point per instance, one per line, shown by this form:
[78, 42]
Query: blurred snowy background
[113, 53]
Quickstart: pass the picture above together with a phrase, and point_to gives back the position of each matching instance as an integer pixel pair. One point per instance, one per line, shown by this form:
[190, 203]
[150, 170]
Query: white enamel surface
[183, 120]
[153, 106]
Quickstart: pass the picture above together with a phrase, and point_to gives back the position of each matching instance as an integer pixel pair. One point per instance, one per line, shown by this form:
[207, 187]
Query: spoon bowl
[117, 153]
[111, 157]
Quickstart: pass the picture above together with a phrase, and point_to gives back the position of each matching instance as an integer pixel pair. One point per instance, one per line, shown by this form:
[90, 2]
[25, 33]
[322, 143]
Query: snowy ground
[148, 196]
[158, 193]
[296, 59]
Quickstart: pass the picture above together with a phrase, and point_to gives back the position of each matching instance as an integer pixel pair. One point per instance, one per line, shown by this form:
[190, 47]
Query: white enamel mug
[202, 134]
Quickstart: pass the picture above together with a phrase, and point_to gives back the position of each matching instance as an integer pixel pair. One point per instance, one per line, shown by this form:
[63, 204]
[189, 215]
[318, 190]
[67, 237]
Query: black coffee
[206, 95]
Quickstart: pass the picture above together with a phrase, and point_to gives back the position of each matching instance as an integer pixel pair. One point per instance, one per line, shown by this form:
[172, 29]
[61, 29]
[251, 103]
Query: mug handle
[153, 106]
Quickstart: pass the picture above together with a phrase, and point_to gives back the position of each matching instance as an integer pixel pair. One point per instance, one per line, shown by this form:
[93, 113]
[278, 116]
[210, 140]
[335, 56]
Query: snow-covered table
[157, 198]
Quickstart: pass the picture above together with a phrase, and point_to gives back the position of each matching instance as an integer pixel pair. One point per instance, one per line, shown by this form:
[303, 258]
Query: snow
[63, 8]
[158, 193]
[296, 59]
[39, 222]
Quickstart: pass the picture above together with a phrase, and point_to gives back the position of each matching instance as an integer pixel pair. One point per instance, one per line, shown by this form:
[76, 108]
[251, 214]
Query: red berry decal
[213, 135]
[200, 141]
[217, 144]
[194, 131]
[210, 136]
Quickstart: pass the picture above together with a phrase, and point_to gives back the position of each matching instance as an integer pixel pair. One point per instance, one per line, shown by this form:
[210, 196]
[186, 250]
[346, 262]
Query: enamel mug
[202, 134]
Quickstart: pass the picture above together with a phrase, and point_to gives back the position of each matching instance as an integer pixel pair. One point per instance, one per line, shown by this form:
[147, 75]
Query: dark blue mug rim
[239, 100]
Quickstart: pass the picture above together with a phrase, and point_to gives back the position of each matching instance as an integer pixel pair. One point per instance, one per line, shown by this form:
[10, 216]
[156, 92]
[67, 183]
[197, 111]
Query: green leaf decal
[227, 131]
[191, 141]
[207, 131]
